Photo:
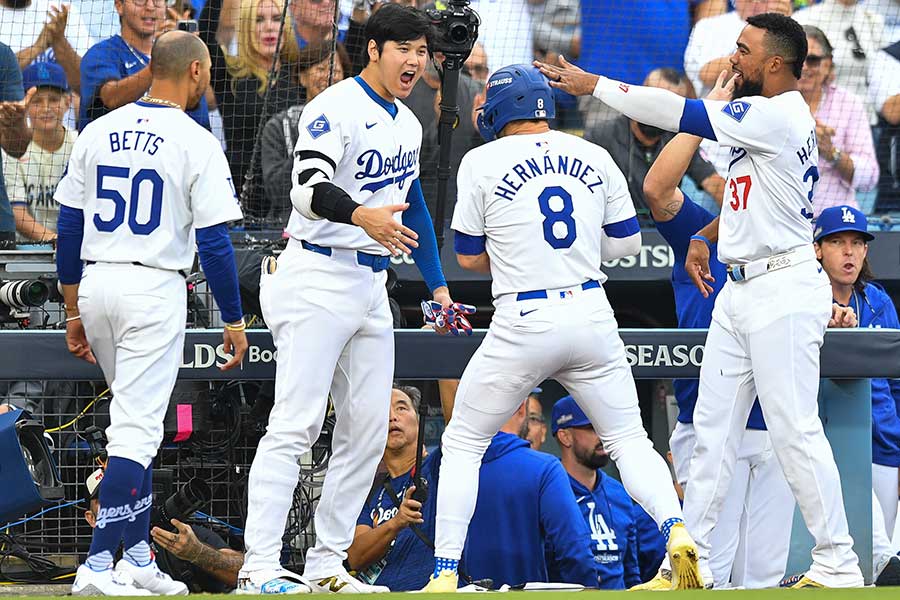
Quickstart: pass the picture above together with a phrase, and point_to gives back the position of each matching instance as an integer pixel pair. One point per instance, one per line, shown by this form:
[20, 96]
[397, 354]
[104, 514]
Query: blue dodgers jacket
[875, 309]
[526, 506]
[608, 512]
[524, 502]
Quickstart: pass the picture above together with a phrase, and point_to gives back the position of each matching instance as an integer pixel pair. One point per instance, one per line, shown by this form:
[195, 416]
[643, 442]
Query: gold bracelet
[231, 327]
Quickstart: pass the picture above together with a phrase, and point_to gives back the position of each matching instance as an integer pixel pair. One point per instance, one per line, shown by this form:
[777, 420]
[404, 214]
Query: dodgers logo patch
[736, 109]
[319, 126]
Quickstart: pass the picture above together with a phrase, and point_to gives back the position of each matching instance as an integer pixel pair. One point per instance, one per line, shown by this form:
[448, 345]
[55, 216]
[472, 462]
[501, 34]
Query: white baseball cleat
[150, 578]
[343, 583]
[104, 583]
[271, 581]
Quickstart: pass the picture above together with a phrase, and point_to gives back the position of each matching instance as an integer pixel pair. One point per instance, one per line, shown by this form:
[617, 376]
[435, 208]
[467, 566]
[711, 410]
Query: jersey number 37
[144, 180]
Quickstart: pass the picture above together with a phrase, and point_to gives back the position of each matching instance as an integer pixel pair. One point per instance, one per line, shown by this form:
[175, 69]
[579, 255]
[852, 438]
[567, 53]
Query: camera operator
[194, 555]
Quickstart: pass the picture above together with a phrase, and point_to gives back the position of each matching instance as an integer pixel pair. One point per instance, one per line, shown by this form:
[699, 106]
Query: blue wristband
[701, 238]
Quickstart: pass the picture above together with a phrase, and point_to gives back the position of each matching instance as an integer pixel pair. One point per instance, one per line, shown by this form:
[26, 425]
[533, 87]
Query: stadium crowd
[91, 56]
[62, 66]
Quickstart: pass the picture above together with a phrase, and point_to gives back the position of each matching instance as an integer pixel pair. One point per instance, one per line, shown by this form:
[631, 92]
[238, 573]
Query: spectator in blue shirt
[605, 505]
[116, 71]
[524, 505]
[15, 134]
[842, 245]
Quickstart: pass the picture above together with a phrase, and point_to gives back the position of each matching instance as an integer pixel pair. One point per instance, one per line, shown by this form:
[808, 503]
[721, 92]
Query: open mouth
[407, 77]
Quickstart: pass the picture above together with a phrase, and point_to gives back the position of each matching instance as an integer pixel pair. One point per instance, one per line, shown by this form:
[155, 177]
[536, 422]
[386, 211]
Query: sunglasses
[850, 36]
[814, 60]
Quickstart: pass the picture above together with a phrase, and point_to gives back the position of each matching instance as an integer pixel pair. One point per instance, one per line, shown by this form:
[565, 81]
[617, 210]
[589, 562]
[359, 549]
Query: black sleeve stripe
[306, 175]
[313, 154]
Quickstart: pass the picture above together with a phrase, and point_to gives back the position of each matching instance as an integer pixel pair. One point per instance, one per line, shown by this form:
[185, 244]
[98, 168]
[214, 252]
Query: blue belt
[376, 262]
[542, 294]
[736, 272]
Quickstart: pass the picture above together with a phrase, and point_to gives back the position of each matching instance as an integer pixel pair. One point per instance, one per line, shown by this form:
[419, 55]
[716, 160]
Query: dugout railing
[222, 416]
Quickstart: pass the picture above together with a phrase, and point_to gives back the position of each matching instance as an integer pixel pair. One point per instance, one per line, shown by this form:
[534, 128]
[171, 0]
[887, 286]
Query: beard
[747, 87]
[650, 131]
[595, 458]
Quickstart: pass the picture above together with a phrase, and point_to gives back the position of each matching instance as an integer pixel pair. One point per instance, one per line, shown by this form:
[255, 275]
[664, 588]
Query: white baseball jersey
[348, 135]
[146, 176]
[767, 207]
[541, 201]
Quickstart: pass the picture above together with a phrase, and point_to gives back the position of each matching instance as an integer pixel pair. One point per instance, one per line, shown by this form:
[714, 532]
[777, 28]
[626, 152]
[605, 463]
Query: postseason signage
[654, 262]
[652, 354]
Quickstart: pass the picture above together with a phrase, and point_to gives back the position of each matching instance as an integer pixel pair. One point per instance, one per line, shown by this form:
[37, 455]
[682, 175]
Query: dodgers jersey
[363, 144]
[767, 206]
[146, 176]
[542, 202]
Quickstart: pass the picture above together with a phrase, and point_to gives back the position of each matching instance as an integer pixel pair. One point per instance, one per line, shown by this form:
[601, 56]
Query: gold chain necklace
[161, 102]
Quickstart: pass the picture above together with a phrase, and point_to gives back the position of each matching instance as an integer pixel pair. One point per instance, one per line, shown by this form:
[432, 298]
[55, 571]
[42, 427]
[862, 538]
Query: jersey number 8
[552, 217]
[144, 176]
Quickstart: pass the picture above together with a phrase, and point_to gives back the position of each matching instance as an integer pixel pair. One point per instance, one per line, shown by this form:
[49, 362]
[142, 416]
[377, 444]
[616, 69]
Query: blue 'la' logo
[319, 126]
[736, 109]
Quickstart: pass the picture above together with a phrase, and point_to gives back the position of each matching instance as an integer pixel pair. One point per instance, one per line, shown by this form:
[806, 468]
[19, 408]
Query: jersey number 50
[144, 176]
[552, 217]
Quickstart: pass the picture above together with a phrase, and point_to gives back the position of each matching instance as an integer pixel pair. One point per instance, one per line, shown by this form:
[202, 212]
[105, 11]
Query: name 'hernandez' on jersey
[541, 201]
[767, 208]
[347, 133]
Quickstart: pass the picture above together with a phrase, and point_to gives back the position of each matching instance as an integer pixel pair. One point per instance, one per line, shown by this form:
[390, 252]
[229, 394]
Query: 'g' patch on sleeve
[318, 126]
[736, 109]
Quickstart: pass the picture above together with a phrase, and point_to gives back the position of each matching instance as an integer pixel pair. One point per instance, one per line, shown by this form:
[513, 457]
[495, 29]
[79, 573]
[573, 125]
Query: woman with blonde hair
[242, 83]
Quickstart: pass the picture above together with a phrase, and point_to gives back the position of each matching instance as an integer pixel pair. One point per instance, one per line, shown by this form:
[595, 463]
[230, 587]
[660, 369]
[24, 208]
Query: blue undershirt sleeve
[695, 120]
[70, 232]
[426, 256]
[470, 245]
[217, 259]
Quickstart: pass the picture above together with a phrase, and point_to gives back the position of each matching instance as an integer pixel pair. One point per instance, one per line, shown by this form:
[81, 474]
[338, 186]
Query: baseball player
[842, 245]
[356, 166]
[769, 320]
[140, 182]
[538, 210]
[759, 501]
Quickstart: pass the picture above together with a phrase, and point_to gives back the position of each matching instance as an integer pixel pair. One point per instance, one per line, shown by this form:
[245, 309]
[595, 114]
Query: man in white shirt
[39, 30]
[856, 32]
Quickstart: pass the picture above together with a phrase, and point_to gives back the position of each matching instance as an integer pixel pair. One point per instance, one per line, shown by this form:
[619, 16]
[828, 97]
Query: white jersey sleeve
[468, 213]
[754, 123]
[320, 144]
[213, 197]
[619, 204]
[70, 189]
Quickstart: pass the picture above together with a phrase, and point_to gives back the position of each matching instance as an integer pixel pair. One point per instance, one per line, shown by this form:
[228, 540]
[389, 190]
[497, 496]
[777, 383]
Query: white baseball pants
[884, 514]
[134, 318]
[757, 506]
[332, 328]
[574, 340]
[764, 340]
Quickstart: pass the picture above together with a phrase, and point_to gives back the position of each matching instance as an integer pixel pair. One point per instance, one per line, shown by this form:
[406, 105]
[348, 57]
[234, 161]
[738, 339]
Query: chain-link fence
[227, 422]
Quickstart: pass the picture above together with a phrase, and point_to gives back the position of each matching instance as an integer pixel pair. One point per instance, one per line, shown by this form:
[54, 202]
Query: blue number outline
[552, 217]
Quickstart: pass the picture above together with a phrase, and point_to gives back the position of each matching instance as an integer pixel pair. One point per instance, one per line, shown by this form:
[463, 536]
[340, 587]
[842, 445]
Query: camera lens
[22, 294]
[458, 33]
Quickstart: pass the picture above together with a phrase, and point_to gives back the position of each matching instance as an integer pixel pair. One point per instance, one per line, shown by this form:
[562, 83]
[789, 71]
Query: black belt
[140, 264]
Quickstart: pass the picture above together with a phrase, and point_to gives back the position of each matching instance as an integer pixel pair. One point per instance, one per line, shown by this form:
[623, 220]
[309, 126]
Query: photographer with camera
[202, 559]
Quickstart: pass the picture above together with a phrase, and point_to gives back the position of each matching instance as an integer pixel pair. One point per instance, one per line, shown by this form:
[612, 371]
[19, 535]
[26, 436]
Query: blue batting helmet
[515, 93]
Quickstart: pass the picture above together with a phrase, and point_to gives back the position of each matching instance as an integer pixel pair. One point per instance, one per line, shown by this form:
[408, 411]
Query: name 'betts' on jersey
[767, 208]
[541, 201]
[348, 131]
